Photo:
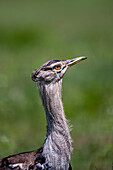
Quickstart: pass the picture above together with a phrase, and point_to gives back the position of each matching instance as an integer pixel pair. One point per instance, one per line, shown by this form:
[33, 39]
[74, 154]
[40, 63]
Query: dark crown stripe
[52, 62]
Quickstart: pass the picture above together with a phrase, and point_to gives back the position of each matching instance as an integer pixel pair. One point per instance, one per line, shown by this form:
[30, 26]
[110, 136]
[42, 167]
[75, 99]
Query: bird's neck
[57, 147]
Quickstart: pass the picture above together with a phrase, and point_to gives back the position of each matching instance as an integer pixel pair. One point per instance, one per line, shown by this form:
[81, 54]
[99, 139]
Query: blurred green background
[32, 32]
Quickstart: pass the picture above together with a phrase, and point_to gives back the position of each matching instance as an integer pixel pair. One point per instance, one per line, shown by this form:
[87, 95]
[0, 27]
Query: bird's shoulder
[25, 160]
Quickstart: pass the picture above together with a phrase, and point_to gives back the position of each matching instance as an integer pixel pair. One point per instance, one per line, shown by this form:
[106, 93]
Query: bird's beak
[71, 62]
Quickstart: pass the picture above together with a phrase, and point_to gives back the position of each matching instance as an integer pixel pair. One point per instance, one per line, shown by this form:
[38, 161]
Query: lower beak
[75, 60]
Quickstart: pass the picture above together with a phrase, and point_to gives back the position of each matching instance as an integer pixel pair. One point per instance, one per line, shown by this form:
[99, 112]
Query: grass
[34, 32]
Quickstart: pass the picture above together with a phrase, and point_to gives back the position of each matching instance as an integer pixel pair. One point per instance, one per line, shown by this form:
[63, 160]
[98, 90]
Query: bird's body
[55, 153]
[26, 160]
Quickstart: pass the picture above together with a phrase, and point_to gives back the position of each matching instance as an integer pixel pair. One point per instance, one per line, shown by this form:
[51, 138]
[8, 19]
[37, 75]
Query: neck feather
[57, 147]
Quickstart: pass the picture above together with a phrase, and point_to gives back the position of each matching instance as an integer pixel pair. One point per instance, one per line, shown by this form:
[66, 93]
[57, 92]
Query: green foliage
[32, 32]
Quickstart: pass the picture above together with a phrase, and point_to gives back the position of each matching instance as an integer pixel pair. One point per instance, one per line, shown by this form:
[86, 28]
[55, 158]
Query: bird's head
[53, 70]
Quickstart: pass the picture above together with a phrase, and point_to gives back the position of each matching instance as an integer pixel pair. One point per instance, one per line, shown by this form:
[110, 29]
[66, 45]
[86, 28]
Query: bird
[55, 153]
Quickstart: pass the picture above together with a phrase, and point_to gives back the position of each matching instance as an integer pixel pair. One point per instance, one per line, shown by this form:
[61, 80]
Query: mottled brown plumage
[28, 159]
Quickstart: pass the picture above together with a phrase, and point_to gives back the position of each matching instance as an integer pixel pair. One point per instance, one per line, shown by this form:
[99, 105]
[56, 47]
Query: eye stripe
[48, 68]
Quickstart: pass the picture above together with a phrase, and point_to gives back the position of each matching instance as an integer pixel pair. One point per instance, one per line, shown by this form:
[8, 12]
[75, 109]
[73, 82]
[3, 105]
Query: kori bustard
[56, 150]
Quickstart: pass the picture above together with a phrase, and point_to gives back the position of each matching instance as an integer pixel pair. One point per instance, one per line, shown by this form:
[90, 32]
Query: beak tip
[76, 60]
[83, 57]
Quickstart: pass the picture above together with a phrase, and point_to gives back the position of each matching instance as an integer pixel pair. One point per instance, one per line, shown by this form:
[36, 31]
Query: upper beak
[71, 62]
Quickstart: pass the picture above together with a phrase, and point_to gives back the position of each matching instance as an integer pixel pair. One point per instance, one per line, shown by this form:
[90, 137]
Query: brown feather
[27, 159]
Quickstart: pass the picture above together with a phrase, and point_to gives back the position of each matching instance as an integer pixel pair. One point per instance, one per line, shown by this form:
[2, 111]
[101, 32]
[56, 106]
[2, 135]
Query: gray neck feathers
[57, 146]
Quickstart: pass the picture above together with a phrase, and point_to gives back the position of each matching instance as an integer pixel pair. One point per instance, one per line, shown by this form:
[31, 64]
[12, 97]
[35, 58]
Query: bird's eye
[58, 67]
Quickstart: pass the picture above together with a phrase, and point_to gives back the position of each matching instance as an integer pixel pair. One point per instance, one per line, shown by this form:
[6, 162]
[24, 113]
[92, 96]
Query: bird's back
[26, 160]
